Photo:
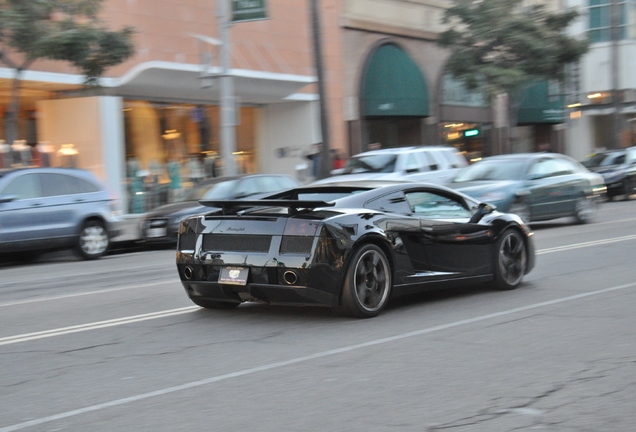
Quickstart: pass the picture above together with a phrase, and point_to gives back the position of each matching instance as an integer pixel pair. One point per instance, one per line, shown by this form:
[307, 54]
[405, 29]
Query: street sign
[249, 10]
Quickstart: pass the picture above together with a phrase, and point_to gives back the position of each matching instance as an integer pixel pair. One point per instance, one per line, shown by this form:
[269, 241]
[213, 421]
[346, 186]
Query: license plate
[233, 275]
[156, 232]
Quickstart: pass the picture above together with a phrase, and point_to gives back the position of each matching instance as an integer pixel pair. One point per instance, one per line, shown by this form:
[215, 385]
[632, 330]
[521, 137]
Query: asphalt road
[116, 345]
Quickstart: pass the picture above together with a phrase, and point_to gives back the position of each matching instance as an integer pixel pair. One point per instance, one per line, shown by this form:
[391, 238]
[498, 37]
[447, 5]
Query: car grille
[236, 243]
[296, 244]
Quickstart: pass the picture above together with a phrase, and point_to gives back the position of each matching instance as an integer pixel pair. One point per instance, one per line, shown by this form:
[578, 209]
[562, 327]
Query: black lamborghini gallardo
[348, 246]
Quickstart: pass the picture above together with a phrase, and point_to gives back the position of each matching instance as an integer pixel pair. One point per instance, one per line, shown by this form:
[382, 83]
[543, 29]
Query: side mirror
[482, 210]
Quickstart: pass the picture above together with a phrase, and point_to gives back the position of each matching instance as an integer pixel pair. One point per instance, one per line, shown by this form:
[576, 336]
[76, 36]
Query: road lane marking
[85, 293]
[96, 325]
[161, 314]
[177, 281]
[586, 244]
[293, 361]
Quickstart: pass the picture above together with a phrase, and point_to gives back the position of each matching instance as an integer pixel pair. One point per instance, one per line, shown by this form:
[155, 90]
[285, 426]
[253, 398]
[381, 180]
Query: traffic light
[471, 132]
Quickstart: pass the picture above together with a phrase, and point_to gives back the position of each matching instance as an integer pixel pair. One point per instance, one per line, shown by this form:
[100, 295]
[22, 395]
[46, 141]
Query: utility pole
[616, 115]
[324, 121]
[228, 101]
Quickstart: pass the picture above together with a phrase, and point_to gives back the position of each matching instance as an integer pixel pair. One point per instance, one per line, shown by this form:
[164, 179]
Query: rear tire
[629, 189]
[93, 241]
[213, 304]
[585, 210]
[522, 210]
[367, 286]
[511, 260]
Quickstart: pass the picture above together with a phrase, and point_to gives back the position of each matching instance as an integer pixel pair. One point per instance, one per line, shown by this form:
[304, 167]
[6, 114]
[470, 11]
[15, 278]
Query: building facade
[154, 111]
[156, 121]
[602, 92]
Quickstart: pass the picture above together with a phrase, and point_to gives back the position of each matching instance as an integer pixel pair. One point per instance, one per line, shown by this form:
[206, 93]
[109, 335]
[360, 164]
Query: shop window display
[176, 146]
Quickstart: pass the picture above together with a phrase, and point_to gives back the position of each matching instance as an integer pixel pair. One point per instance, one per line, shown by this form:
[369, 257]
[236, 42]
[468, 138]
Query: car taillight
[301, 227]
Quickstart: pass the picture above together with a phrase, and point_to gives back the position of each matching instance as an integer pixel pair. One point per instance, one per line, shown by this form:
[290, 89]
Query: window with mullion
[600, 20]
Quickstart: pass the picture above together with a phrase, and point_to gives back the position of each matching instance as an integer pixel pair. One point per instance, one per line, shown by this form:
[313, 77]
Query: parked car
[535, 186]
[44, 209]
[618, 168]
[432, 164]
[349, 246]
[160, 224]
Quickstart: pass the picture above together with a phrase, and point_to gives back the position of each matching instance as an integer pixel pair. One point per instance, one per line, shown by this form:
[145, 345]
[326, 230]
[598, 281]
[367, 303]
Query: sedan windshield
[378, 163]
[221, 190]
[499, 169]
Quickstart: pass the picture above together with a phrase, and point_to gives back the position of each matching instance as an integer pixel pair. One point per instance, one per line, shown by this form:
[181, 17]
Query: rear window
[378, 163]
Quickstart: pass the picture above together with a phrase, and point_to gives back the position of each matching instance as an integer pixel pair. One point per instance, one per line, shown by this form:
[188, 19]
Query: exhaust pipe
[188, 272]
[290, 277]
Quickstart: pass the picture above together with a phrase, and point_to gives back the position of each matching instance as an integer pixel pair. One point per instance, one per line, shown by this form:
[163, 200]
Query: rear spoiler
[228, 206]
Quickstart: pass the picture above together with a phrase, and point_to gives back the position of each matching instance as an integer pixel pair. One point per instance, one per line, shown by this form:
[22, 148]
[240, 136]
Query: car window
[220, 190]
[429, 161]
[61, 184]
[550, 168]
[286, 182]
[248, 187]
[393, 202]
[615, 159]
[493, 169]
[275, 183]
[435, 206]
[25, 186]
[380, 163]
[413, 163]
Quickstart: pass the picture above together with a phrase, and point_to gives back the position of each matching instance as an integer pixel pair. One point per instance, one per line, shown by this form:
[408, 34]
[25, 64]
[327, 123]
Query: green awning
[538, 105]
[393, 85]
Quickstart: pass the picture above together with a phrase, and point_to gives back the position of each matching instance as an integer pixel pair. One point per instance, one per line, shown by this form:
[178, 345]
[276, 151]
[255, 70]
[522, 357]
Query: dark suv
[43, 209]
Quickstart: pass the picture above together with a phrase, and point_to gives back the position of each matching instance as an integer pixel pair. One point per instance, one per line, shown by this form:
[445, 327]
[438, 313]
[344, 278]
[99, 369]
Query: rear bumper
[293, 285]
[271, 294]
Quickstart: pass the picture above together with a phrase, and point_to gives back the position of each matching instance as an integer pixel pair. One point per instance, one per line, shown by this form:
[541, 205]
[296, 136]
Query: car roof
[394, 150]
[55, 170]
[241, 176]
[514, 156]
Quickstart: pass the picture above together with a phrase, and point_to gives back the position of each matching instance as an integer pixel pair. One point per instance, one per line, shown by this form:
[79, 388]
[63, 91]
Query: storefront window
[468, 138]
[171, 147]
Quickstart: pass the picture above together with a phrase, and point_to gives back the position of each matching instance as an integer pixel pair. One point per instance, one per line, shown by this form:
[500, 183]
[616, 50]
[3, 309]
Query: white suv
[431, 164]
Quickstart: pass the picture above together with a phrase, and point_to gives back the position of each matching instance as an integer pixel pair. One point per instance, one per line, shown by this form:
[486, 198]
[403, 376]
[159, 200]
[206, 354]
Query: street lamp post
[228, 105]
[227, 101]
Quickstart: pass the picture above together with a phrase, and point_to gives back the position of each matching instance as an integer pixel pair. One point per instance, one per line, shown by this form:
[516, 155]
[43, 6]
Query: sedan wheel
[585, 209]
[629, 189]
[93, 240]
[522, 210]
[511, 260]
[367, 285]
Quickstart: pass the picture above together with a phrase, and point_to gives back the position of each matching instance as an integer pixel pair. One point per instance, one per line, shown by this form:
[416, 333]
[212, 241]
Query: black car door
[449, 245]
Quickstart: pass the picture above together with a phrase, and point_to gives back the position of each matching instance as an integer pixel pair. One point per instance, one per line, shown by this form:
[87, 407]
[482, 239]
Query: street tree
[500, 46]
[64, 30]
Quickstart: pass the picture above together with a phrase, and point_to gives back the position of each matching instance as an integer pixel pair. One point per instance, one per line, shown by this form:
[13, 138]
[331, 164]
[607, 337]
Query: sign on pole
[249, 10]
